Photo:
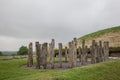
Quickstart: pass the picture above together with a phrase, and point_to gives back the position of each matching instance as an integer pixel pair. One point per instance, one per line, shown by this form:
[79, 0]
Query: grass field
[12, 70]
[101, 32]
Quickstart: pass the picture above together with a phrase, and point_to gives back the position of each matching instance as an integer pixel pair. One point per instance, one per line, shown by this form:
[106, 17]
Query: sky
[25, 21]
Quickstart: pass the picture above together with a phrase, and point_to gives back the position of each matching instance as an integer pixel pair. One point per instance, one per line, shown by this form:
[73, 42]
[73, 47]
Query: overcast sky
[23, 21]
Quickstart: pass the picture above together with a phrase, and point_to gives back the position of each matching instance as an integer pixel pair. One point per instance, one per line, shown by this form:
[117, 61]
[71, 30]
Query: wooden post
[97, 53]
[101, 57]
[106, 50]
[79, 53]
[60, 54]
[49, 51]
[52, 53]
[93, 52]
[66, 54]
[43, 58]
[38, 52]
[30, 56]
[84, 54]
[70, 55]
[75, 51]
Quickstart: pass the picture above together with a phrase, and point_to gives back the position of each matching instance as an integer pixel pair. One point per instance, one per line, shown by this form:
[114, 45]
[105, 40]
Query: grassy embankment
[101, 32]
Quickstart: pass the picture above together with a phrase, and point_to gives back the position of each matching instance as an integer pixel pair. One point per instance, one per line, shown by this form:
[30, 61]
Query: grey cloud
[59, 19]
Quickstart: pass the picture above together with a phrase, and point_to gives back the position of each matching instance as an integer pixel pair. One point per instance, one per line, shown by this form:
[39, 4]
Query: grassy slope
[101, 32]
[11, 70]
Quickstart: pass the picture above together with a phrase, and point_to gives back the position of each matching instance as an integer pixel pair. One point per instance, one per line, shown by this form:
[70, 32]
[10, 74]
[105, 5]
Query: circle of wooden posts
[99, 52]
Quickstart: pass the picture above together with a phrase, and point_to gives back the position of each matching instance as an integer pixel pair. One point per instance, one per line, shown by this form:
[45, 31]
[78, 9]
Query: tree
[22, 50]
[0, 53]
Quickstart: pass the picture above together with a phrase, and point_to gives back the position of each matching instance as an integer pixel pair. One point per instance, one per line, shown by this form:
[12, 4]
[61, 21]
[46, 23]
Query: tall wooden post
[70, 55]
[52, 53]
[101, 57]
[30, 56]
[75, 51]
[97, 53]
[66, 54]
[79, 53]
[60, 54]
[84, 53]
[38, 52]
[93, 52]
[106, 50]
[43, 58]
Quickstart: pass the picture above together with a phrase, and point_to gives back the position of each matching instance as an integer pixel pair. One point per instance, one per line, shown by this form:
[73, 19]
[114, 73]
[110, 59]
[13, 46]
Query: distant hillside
[8, 53]
[110, 34]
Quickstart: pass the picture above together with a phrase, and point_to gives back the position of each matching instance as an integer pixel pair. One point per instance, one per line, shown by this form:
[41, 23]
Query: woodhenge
[73, 55]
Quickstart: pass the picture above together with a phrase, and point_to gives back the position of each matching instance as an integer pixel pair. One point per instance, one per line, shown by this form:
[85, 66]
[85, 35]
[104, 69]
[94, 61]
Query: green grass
[11, 70]
[99, 33]
[2, 57]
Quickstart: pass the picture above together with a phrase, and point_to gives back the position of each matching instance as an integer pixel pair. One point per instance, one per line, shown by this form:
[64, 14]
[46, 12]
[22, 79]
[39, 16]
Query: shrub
[23, 50]
[1, 53]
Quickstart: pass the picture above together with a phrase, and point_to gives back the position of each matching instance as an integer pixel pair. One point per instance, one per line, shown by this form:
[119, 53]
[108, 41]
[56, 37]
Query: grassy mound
[101, 32]
[12, 70]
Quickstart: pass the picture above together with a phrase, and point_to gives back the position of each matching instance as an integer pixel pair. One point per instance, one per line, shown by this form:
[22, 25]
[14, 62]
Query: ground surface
[12, 70]
[65, 65]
